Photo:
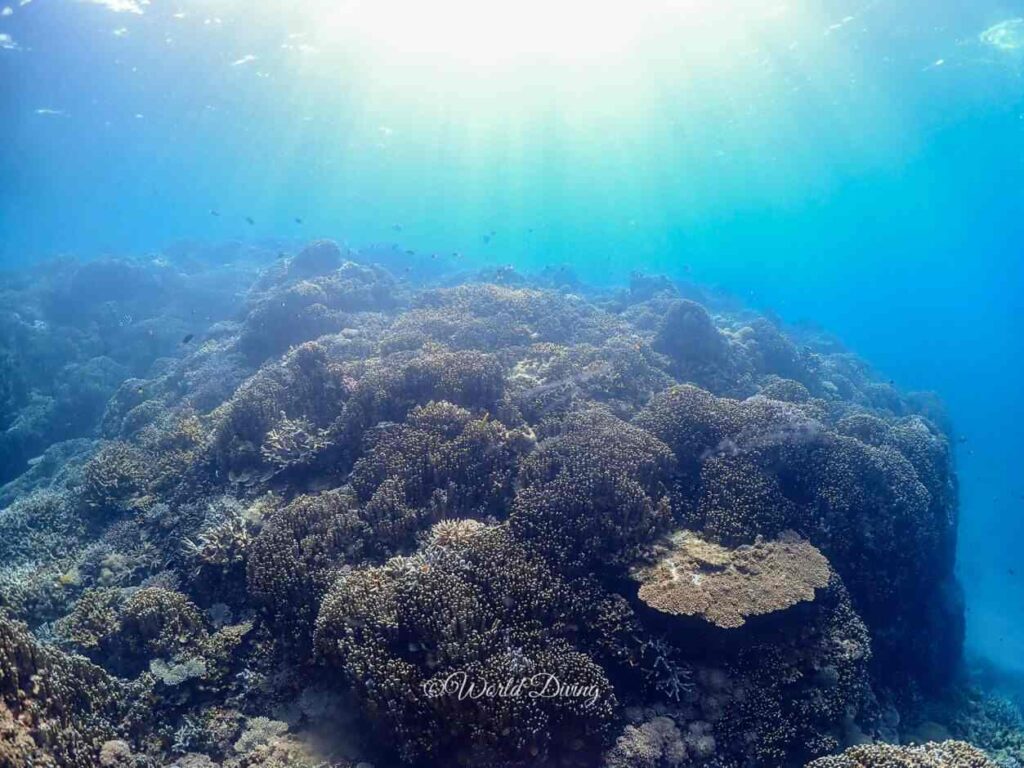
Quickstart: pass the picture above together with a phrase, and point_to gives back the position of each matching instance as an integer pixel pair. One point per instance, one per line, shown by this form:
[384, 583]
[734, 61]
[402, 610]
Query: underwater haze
[443, 175]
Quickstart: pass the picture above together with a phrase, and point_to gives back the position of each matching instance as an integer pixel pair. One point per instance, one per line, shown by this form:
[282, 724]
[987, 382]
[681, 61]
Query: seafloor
[268, 510]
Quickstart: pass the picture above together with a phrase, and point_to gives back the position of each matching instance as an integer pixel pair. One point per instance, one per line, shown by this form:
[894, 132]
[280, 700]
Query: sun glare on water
[490, 33]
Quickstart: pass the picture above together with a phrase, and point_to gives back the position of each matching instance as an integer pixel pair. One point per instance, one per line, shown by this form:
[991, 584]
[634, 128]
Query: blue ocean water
[855, 165]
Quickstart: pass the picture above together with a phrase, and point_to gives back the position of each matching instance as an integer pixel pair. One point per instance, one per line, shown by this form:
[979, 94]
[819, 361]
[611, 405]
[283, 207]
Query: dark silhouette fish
[251, 222]
[188, 338]
[298, 220]
[215, 213]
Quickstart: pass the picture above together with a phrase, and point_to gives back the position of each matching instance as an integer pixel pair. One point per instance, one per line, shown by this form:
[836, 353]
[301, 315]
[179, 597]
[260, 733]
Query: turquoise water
[856, 165]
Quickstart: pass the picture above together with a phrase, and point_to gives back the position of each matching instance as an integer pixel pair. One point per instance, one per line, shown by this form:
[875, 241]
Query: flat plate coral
[694, 577]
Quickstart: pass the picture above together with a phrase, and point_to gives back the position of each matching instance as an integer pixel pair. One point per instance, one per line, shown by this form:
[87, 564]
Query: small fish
[281, 255]
[410, 252]
[215, 213]
[1011, 571]
[251, 222]
[486, 239]
[962, 439]
[188, 338]
[396, 227]
[298, 220]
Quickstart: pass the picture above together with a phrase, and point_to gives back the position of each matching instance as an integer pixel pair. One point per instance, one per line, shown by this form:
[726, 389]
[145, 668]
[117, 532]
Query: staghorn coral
[38, 526]
[223, 543]
[990, 722]
[159, 622]
[691, 422]
[787, 390]
[124, 632]
[772, 353]
[694, 577]
[553, 379]
[700, 352]
[737, 499]
[801, 693]
[66, 349]
[321, 257]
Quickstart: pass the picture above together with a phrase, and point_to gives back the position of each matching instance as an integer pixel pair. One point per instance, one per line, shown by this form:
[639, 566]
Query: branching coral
[292, 442]
[113, 478]
[797, 693]
[597, 491]
[277, 418]
[441, 463]
[296, 556]
[474, 610]
[492, 317]
[57, 711]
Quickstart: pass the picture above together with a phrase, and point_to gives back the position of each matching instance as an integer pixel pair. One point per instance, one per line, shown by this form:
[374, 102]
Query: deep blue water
[858, 165]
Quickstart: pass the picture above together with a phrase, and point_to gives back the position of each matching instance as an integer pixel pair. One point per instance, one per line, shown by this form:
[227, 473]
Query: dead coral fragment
[693, 577]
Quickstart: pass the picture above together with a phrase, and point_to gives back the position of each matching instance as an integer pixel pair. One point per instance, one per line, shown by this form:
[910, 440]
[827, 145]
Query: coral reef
[694, 577]
[946, 754]
[298, 512]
